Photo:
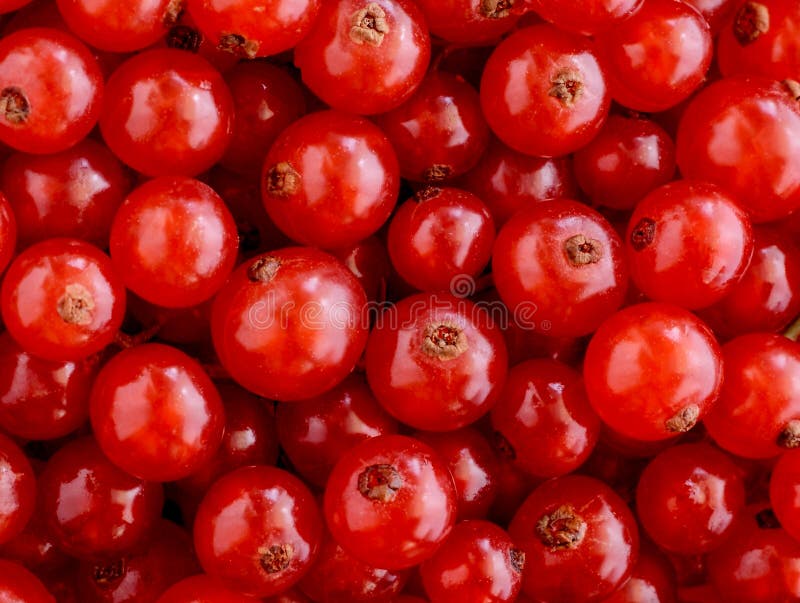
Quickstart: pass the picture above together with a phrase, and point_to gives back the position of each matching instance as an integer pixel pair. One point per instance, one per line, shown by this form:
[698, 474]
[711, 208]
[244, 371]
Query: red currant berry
[586, 16]
[202, 589]
[630, 157]
[167, 113]
[558, 251]
[783, 486]
[61, 300]
[579, 539]
[758, 413]
[174, 242]
[477, 562]
[365, 57]
[653, 371]
[8, 232]
[543, 91]
[368, 260]
[289, 325]
[156, 413]
[330, 180]
[441, 239]
[652, 580]
[543, 422]
[51, 90]
[390, 501]
[17, 490]
[469, 22]
[436, 362]
[6, 6]
[185, 35]
[19, 585]
[74, 193]
[716, 144]
[269, 542]
[716, 12]
[254, 28]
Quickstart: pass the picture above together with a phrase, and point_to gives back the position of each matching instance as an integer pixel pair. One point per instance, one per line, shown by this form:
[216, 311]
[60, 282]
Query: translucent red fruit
[440, 132]
[8, 232]
[440, 239]
[758, 413]
[202, 589]
[689, 497]
[254, 28]
[477, 562]
[652, 371]
[543, 422]
[156, 413]
[630, 157]
[62, 300]
[365, 57]
[6, 6]
[272, 539]
[715, 143]
[544, 92]
[436, 362]
[17, 490]
[688, 244]
[174, 242]
[18, 584]
[559, 267]
[716, 12]
[469, 22]
[290, 324]
[653, 580]
[390, 502]
[579, 538]
[330, 180]
[167, 113]
[676, 41]
[586, 16]
[120, 26]
[783, 486]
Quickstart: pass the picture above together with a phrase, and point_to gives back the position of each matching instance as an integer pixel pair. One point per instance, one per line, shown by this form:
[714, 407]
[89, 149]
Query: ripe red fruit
[468, 22]
[653, 371]
[202, 589]
[783, 485]
[8, 232]
[17, 490]
[586, 16]
[18, 584]
[653, 580]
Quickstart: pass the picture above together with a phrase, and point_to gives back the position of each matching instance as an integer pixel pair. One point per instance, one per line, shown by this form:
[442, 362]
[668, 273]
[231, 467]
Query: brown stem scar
[437, 172]
[684, 419]
[263, 270]
[282, 180]
[752, 22]
[173, 12]
[643, 233]
[517, 558]
[14, 105]
[106, 575]
[582, 250]
[496, 9]
[789, 437]
[567, 87]
[239, 45]
[183, 37]
[276, 558]
[76, 305]
[427, 193]
[380, 483]
[561, 529]
[369, 25]
[793, 88]
[444, 340]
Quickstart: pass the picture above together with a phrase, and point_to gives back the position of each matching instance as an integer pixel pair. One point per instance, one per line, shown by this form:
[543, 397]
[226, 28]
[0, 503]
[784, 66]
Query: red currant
[586, 16]
[19, 585]
[202, 589]
[652, 580]
[17, 490]
[469, 22]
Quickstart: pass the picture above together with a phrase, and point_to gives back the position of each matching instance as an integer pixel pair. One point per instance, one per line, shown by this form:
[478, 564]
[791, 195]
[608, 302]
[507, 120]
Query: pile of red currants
[399, 301]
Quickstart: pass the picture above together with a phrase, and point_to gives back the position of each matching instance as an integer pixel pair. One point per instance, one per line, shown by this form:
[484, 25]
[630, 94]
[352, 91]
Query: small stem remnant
[282, 180]
[437, 173]
[276, 558]
[752, 22]
[517, 558]
[496, 9]
[263, 270]
[567, 87]
[239, 45]
[684, 419]
[562, 529]
[444, 340]
[789, 437]
[183, 37]
[76, 305]
[582, 250]
[14, 105]
[380, 483]
[369, 25]
[643, 233]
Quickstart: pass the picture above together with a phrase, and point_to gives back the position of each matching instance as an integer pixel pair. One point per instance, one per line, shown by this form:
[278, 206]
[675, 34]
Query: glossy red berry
[586, 16]
[156, 413]
[544, 92]
[202, 589]
[716, 12]
[469, 22]
[167, 113]
[390, 501]
[254, 28]
[8, 232]
[783, 486]
[51, 90]
[174, 242]
[368, 260]
[554, 253]
[758, 413]
[477, 562]
[436, 362]
[6, 6]
[93, 508]
[17, 490]
[18, 584]
[715, 144]
[544, 423]
[653, 371]
[653, 580]
[185, 35]
[441, 239]
[272, 539]
[62, 300]
[579, 539]
[330, 180]
[290, 324]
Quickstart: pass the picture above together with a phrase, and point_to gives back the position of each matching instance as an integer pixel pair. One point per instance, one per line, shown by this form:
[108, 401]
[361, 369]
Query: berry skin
[689, 497]
[167, 113]
[51, 90]
[653, 371]
[330, 180]
[8, 232]
[365, 57]
[783, 484]
[289, 325]
[586, 16]
[156, 413]
[758, 413]
[390, 501]
[61, 300]
[557, 251]
[202, 589]
[653, 580]
[438, 363]
[579, 539]
[19, 585]
[17, 490]
[270, 543]
[174, 242]
[544, 92]
[469, 22]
